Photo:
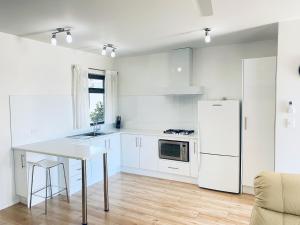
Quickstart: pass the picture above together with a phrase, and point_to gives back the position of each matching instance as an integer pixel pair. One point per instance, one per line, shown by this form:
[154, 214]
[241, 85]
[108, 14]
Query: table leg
[84, 192]
[105, 183]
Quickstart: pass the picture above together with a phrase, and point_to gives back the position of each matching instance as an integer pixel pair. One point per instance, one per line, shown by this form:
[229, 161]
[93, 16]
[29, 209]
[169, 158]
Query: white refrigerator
[219, 145]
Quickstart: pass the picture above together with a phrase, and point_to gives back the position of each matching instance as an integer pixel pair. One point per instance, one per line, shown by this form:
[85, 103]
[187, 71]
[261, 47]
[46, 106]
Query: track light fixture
[53, 39]
[109, 46]
[69, 38]
[207, 38]
[113, 53]
[103, 50]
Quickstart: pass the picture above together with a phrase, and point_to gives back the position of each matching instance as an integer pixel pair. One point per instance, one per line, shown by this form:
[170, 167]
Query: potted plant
[97, 116]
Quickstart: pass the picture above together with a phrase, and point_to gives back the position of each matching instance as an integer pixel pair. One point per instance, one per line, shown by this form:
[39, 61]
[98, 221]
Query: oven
[173, 150]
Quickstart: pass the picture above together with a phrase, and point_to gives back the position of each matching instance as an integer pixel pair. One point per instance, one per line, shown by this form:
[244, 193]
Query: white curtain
[111, 96]
[80, 97]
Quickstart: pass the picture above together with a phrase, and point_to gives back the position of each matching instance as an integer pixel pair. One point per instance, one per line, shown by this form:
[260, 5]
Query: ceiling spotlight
[103, 50]
[69, 38]
[207, 38]
[109, 47]
[113, 53]
[53, 39]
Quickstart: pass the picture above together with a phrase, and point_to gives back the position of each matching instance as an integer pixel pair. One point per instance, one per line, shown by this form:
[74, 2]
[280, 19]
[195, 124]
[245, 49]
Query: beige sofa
[277, 199]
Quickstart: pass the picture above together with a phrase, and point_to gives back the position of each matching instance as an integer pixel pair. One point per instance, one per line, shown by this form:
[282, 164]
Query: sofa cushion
[268, 191]
[278, 192]
[262, 216]
[291, 193]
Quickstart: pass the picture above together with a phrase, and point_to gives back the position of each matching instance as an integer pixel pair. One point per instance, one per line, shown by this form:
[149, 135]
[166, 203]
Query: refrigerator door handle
[198, 156]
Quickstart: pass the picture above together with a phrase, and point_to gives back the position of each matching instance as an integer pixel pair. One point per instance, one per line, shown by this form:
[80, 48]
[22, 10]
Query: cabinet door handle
[109, 143]
[173, 168]
[194, 148]
[246, 123]
[22, 160]
[136, 142]
[140, 142]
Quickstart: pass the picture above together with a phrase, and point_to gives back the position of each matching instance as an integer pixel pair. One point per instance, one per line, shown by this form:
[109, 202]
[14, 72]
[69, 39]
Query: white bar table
[75, 149]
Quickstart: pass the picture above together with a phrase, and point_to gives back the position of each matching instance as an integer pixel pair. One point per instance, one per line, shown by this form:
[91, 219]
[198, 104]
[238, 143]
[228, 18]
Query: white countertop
[155, 133]
[64, 147]
[158, 133]
[84, 149]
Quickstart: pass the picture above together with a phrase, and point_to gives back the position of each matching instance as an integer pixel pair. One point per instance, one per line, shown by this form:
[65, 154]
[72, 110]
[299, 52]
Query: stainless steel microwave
[174, 150]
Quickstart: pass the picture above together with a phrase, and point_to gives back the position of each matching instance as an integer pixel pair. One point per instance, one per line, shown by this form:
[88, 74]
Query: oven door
[173, 150]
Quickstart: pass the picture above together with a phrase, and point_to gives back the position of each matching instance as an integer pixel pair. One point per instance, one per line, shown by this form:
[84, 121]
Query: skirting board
[160, 175]
[15, 201]
[247, 190]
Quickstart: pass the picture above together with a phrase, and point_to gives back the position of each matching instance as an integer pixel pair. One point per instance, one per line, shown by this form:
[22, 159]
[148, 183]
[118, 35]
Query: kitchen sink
[89, 135]
[95, 134]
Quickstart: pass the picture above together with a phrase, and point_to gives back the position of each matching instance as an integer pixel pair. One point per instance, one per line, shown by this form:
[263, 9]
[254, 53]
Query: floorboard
[139, 200]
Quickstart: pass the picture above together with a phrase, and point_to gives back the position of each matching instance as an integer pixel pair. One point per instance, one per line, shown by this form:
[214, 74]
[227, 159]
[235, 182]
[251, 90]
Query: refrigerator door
[219, 127]
[220, 173]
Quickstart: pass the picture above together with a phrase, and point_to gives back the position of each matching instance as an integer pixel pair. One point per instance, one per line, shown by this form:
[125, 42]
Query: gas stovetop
[179, 131]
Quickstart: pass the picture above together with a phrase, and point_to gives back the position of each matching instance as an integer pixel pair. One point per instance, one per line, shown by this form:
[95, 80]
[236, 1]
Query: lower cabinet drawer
[174, 167]
[75, 171]
[74, 163]
[75, 184]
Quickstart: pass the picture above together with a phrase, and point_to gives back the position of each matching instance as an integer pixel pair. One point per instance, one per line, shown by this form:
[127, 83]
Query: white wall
[32, 68]
[218, 69]
[287, 146]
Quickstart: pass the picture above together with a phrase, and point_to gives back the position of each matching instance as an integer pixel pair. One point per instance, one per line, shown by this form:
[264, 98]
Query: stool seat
[46, 164]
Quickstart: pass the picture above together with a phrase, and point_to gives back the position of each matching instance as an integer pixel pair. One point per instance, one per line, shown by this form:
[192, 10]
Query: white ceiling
[139, 26]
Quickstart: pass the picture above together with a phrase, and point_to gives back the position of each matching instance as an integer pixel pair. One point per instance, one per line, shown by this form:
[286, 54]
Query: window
[96, 98]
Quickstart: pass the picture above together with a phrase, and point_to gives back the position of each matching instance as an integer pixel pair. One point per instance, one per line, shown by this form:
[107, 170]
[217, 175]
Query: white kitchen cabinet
[140, 151]
[111, 143]
[259, 100]
[73, 174]
[194, 158]
[188, 169]
[20, 173]
[130, 150]
[96, 163]
[174, 167]
[148, 152]
[114, 154]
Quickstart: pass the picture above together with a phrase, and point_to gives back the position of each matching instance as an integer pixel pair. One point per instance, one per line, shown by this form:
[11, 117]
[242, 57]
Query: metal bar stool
[47, 165]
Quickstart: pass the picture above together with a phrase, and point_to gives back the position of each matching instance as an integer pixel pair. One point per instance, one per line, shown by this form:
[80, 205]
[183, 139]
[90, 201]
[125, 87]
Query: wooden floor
[139, 200]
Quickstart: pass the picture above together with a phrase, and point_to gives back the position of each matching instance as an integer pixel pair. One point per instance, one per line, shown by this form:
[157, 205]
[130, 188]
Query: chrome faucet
[96, 128]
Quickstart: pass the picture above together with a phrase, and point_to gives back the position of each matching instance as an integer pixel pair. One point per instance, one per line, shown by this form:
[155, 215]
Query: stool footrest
[60, 189]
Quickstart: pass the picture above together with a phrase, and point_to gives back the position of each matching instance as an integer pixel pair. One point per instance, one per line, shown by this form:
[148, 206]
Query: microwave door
[170, 150]
[173, 150]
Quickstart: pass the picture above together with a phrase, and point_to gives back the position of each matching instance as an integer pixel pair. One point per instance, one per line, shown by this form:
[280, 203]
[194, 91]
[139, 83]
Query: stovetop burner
[179, 131]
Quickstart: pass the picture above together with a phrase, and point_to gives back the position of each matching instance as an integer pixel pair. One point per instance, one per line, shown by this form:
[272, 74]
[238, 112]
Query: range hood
[180, 73]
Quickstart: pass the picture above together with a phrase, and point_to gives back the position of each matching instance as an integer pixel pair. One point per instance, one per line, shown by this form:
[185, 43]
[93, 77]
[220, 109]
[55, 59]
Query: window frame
[95, 76]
